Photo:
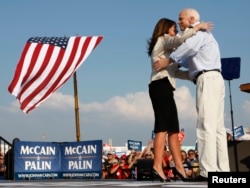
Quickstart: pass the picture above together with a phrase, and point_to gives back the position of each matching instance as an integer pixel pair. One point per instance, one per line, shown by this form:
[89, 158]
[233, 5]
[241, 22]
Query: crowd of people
[125, 166]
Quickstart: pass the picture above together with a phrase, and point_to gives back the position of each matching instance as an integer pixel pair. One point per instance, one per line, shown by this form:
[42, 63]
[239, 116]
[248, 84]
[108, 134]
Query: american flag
[46, 63]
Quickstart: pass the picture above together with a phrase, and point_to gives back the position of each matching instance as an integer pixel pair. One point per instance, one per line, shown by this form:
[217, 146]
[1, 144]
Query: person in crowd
[229, 136]
[187, 165]
[201, 55]
[148, 155]
[104, 157]
[2, 165]
[162, 84]
[194, 163]
[147, 152]
[107, 172]
[9, 161]
[192, 156]
[122, 169]
[167, 164]
[132, 161]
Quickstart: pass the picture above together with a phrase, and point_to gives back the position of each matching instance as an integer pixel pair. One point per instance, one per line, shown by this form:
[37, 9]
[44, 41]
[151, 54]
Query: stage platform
[100, 184]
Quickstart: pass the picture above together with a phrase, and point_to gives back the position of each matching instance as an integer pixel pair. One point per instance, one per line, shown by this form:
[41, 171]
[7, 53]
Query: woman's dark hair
[162, 27]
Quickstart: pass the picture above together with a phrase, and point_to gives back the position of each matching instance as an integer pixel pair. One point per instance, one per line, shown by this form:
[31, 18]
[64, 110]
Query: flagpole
[76, 110]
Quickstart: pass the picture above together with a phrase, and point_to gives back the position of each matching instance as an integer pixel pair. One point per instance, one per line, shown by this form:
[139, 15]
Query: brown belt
[202, 72]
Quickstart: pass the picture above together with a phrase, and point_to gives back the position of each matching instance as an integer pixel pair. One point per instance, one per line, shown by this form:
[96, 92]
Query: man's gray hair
[193, 13]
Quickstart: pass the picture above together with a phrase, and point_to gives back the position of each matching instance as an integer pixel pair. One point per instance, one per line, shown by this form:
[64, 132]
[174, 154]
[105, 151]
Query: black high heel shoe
[176, 172]
[155, 175]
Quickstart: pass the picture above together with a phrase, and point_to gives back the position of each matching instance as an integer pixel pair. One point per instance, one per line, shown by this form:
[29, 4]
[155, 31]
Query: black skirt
[165, 111]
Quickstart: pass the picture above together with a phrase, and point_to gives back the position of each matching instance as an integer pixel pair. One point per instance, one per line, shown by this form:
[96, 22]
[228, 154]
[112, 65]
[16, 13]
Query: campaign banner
[238, 132]
[81, 160]
[153, 135]
[134, 145]
[36, 160]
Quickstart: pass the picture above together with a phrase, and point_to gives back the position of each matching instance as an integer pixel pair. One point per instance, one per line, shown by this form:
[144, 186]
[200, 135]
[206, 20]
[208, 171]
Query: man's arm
[162, 63]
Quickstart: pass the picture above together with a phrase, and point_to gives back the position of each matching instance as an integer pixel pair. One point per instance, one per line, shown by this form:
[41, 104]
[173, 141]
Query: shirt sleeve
[169, 43]
[188, 49]
[172, 42]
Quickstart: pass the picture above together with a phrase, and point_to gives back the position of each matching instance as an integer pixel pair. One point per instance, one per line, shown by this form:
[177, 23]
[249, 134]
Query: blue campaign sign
[134, 145]
[238, 131]
[82, 160]
[36, 160]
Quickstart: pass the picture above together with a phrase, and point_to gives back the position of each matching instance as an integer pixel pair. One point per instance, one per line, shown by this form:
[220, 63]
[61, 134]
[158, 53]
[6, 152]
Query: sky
[114, 104]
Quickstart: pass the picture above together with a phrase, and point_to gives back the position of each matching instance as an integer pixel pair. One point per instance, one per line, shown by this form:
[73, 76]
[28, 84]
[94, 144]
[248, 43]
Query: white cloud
[59, 101]
[120, 118]
[135, 107]
[185, 103]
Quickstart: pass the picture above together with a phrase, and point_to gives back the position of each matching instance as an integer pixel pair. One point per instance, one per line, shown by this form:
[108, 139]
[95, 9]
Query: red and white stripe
[44, 68]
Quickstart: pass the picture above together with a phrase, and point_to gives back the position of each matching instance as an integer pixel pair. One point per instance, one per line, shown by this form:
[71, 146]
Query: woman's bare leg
[175, 148]
[159, 145]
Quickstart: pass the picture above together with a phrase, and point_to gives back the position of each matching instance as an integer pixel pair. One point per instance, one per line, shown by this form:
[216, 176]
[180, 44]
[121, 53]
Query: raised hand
[208, 26]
